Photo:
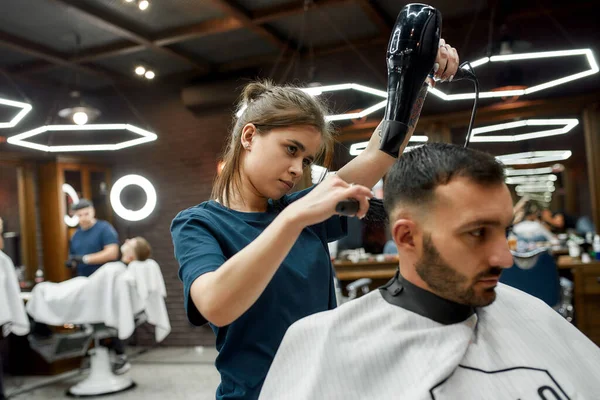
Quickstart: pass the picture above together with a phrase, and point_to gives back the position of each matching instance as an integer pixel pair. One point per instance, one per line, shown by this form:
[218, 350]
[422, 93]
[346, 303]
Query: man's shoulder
[102, 224]
[519, 305]
[357, 311]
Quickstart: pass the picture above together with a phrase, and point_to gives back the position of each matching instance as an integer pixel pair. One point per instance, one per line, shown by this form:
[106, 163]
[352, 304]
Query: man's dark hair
[416, 174]
[81, 204]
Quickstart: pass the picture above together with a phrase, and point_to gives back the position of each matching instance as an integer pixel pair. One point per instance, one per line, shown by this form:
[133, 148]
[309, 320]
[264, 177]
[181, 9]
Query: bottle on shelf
[596, 246]
[39, 275]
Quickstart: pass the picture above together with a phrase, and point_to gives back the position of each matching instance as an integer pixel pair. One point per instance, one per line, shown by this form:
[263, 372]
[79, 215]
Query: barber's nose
[501, 257]
[296, 168]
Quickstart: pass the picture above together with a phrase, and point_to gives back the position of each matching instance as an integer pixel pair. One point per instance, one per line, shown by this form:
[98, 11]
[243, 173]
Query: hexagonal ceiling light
[318, 90]
[525, 56]
[24, 110]
[567, 125]
[534, 157]
[20, 139]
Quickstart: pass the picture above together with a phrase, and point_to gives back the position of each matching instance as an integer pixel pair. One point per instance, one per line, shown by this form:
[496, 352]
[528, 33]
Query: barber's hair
[413, 178]
[268, 106]
[142, 249]
[81, 204]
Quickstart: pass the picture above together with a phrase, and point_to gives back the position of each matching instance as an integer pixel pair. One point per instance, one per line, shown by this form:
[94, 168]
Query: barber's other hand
[447, 62]
[74, 261]
[320, 203]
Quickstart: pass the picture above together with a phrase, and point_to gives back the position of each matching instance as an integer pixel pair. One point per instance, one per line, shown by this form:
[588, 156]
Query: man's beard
[450, 284]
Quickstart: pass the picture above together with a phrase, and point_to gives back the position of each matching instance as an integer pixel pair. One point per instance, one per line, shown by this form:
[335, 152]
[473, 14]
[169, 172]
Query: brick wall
[181, 164]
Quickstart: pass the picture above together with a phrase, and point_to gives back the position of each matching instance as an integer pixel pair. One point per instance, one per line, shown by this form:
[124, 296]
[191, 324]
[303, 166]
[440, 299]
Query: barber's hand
[447, 62]
[320, 203]
[74, 261]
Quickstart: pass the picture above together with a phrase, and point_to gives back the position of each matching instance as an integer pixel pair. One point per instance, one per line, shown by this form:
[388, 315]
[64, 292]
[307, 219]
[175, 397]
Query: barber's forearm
[372, 164]
[110, 253]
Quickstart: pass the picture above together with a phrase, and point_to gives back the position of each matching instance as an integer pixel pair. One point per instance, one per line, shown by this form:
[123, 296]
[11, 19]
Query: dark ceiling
[96, 44]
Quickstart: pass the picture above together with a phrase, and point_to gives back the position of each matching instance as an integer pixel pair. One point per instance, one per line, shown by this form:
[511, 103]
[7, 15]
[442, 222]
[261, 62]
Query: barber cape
[13, 318]
[402, 342]
[150, 285]
[106, 296]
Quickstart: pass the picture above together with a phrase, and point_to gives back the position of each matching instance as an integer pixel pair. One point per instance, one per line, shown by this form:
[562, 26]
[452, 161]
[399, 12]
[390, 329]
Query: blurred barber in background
[95, 243]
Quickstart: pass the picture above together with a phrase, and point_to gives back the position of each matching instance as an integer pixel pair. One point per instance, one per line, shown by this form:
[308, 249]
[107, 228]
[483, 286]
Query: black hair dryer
[411, 53]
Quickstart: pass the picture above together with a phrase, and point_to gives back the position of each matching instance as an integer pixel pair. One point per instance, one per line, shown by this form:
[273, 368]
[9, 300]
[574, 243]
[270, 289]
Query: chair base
[101, 381]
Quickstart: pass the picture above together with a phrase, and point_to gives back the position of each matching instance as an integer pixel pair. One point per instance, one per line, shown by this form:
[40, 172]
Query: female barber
[254, 258]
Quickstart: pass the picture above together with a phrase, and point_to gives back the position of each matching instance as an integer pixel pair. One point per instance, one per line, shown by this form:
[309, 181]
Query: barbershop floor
[163, 373]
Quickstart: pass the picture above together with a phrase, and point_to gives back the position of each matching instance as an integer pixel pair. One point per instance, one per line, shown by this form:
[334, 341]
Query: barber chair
[352, 289]
[101, 380]
[535, 272]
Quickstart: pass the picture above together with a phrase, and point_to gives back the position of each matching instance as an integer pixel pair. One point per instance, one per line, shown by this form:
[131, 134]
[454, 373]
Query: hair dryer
[411, 53]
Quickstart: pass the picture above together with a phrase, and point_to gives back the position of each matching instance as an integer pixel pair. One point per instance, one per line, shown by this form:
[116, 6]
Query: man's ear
[405, 233]
[248, 132]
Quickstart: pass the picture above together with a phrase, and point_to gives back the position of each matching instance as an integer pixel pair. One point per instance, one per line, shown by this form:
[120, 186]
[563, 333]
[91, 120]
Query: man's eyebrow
[481, 222]
[301, 147]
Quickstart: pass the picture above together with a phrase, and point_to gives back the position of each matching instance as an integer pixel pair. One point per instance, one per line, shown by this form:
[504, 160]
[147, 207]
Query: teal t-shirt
[205, 236]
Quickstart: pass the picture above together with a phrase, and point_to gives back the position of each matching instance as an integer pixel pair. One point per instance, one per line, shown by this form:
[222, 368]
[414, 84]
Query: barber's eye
[292, 149]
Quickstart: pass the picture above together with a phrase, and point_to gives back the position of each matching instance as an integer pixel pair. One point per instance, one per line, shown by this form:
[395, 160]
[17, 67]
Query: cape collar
[402, 293]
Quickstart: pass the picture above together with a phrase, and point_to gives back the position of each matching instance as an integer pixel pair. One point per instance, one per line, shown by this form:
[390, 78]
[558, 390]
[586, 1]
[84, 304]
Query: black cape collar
[402, 293]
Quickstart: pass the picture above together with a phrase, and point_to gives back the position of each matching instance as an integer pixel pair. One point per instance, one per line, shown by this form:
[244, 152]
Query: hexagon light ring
[534, 157]
[567, 125]
[318, 90]
[525, 56]
[20, 139]
[24, 110]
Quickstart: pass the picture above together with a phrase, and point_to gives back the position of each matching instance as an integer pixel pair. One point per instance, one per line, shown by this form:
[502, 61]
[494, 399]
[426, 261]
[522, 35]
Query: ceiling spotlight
[128, 1]
[149, 74]
[80, 118]
[79, 115]
[143, 5]
[140, 70]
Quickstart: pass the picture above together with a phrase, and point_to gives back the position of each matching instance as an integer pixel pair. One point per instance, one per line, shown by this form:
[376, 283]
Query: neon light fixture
[318, 90]
[535, 188]
[517, 180]
[534, 157]
[20, 139]
[357, 148]
[69, 191]
[24, 110]
[131, 215]
[566, 126]
[593, 68]
[531, 171]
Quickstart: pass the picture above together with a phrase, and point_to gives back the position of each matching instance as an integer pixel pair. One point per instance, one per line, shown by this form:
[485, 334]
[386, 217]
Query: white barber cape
[13, 317]
[150, 286]
[106, 296]
[374, 348]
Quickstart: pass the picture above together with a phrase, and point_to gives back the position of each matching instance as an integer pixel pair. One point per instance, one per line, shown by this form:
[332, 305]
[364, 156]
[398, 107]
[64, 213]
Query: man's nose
[501, 256]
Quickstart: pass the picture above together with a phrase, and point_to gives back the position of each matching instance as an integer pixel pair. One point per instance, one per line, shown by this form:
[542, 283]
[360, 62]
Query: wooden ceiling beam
[269, 14]
[229, 8]
[376, 16]
[318, 51]
[178, 35]
[26, 47]
[109, 23]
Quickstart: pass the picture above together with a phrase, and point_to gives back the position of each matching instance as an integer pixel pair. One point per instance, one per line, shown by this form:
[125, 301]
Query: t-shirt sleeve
[197, 251]
[336, 227]
[109, 235]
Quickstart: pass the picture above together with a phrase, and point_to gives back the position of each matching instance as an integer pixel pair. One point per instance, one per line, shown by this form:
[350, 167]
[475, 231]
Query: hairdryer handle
[348, 207]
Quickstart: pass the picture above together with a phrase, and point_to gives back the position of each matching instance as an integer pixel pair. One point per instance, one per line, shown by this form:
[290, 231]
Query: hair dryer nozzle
[411, 53]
